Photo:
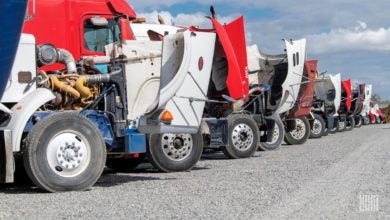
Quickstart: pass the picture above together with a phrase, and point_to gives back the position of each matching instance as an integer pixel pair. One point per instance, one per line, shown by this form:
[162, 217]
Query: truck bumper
[6, 157]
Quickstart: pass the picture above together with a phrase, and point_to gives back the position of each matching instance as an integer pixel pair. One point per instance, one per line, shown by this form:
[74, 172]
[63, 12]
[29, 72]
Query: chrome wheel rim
[342, 125]
[275, 135]
[176, 147]
[68, 153]
[299, 131]
[242, 137]
[317, 127]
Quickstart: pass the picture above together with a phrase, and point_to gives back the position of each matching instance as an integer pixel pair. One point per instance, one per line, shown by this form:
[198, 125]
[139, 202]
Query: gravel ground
[323, 178]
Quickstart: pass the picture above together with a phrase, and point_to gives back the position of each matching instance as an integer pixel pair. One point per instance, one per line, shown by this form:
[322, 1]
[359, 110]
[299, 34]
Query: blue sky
[347, 36]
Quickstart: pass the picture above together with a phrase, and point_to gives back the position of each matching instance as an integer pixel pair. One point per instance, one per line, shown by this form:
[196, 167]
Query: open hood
[296, 53]
[367, 100]
[347, 87]
[232, 39]
[306, 93]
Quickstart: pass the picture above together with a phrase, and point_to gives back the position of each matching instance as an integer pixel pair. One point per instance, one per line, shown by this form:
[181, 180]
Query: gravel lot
[322, 179]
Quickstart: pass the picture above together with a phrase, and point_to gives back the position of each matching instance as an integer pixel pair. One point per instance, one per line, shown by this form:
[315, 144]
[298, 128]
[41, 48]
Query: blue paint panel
[37, 116]
[101, 67]
[12, 13]
[132, 142]
[135, 142]
[103, 124]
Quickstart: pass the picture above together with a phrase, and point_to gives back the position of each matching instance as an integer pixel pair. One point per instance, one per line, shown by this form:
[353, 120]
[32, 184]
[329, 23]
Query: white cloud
[196, 19]
[358, 38]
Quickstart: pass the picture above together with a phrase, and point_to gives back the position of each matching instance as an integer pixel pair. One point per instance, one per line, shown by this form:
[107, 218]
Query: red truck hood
[306, 93]
[347, 88]
[232, 38]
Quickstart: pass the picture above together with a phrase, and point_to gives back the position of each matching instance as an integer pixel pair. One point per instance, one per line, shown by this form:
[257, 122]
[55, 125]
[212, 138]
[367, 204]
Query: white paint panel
[367, 99]
[24, 62]
[140, 31]
[195, 82]
[143, 77]
[336, 81]
[292, 84]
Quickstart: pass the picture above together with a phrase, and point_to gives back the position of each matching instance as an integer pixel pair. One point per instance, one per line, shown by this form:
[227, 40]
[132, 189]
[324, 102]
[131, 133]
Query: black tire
[335, 126]
[124, 165]
[64, 152]
[377, 120]
[174, 152]
[365, 120]
[350, 123]
[341, 126]
[300, 134]
[318, 128]
[358, 121]
[243, 137]
[326, 132]
[278, 136]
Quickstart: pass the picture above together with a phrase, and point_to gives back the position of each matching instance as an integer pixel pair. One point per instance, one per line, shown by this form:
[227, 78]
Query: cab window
[97, 37]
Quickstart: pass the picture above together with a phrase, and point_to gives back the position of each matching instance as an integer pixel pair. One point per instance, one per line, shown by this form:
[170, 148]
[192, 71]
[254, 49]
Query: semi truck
[69, 112]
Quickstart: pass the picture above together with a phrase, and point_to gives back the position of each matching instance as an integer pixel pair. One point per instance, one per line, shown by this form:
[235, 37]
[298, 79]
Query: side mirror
[99, 21]
[126, 33]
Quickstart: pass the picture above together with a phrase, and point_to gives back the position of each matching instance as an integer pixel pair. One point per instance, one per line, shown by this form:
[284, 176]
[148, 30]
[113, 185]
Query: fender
[22, 111]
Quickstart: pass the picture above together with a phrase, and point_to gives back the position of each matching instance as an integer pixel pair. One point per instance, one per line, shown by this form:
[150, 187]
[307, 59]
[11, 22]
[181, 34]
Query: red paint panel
[306, 93]
[347, 86]
[122, 7]
[232, 39]
[60, 22]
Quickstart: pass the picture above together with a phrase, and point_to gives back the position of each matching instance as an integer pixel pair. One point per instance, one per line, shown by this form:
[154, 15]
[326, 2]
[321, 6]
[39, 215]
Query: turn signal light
[166, 116]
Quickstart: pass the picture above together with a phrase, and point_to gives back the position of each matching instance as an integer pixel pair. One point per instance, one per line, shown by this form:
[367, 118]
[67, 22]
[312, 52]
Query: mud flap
[6, 157]
[218, 131]
[267, 137]
[330, 121]
[290, 125]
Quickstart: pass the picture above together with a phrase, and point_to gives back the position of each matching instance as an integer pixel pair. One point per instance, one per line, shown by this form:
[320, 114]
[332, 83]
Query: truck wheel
[124, 165]
[64, 152]
[243, 137]
[377, 120]
[174, 152]
[358, 122]
[300, 134]
[335, 126]
[366, 120]
[326, 132]
[350, 123]
[277, 136]
[318, 129]
[341, 126]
